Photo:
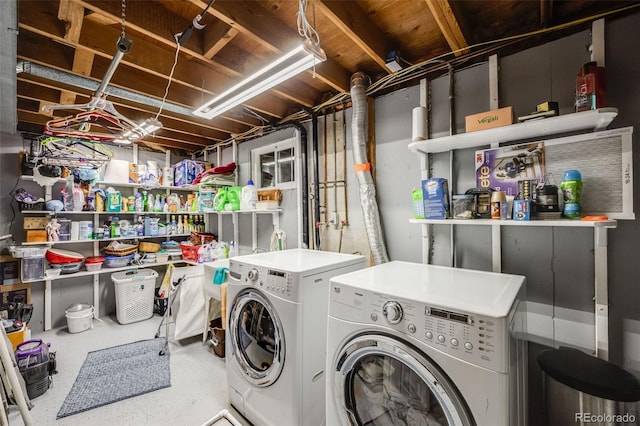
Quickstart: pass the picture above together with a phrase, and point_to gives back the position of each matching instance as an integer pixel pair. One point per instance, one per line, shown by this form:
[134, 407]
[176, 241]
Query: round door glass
[379, 380]
[257, 338]
[385, 391]
[256, 335]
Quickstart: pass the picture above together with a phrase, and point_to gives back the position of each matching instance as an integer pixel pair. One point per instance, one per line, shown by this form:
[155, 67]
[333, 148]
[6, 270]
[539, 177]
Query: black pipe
[305, 177]
[316, 179]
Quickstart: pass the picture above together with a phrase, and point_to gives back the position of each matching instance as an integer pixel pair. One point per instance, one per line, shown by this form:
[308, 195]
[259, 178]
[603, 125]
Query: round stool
[582, 389]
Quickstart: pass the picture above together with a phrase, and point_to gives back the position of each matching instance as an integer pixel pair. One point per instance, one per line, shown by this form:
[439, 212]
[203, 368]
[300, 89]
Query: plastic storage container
[32, 268]
[117, 261]
[134, 294]
[463, 206]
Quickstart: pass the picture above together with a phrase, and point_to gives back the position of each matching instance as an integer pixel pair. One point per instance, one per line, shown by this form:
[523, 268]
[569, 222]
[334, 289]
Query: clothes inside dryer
[385, 391]
[257, 335]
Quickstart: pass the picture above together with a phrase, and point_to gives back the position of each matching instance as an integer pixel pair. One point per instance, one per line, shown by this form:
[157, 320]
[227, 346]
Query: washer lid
[483, 293]
[300, 260]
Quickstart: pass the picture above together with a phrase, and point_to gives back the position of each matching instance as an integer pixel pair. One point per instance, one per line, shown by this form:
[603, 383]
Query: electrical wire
[416, 70]
[173, 68]
[304, 28]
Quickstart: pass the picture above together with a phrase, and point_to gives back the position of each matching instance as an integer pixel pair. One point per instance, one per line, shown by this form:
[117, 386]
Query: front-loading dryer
[414, 344]
[276, 333]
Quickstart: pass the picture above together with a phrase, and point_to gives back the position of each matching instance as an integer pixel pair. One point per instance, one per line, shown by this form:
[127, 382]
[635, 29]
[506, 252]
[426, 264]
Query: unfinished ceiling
[65, 48]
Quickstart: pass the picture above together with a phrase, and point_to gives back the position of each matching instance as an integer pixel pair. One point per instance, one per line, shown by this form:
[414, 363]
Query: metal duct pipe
[362, 166]
[92, 86]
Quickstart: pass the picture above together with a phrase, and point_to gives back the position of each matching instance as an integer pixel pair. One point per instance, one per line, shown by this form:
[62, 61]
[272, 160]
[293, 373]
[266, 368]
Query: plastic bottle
[115, 227]
[157, 206]
[139, 202]
[150, 202]
[249, 196]
[173, 227]
[571, 187]
[180, 225]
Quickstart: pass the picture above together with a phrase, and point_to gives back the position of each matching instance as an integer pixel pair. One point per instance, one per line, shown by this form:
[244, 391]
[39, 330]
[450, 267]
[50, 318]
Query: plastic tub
[93, 266]
[79, 317]
[68, 268]
[117, 261]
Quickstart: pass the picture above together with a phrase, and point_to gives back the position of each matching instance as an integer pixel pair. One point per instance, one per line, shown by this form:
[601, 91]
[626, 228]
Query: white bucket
[79, 317]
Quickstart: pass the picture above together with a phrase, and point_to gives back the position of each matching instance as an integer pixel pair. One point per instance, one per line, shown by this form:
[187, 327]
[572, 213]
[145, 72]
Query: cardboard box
[501, 168]
[35, 222]
[12, 293]
[590, 89]
[435, 194]
[9, 269]
[36, 236]
[521, 209]
[489, 119]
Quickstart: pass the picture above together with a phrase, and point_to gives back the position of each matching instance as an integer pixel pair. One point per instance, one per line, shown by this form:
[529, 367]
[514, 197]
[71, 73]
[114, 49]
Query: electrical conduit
[362, 168]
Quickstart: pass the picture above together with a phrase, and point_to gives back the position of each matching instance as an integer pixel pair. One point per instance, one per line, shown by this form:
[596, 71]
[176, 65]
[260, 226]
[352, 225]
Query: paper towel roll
[419, 124]
[75, 230]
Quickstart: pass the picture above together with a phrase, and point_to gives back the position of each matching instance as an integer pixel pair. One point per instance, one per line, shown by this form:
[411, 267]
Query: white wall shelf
[586, 120]
[137, 237]
[495, 222]
[104, 271]
[581, 121]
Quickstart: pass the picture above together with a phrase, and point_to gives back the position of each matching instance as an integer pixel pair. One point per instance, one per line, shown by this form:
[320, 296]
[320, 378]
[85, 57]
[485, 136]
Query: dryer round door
[381, 380]
[257, 338]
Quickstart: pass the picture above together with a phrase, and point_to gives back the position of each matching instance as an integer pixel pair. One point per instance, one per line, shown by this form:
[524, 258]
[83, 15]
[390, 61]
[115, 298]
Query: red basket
[189, 252]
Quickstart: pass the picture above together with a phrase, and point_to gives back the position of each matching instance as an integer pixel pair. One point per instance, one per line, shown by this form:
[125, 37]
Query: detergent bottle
[249, 196]
[233, 195]
[220, 201]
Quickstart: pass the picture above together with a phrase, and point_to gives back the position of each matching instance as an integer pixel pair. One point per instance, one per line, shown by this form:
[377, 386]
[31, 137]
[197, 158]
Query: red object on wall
[590, 88]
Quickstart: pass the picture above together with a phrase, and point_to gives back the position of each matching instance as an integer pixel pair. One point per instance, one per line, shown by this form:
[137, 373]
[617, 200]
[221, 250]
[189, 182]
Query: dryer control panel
[270, 280]
[473, 338]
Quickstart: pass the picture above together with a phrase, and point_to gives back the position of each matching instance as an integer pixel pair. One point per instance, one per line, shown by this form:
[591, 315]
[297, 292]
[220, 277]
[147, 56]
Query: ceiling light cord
[173, 68]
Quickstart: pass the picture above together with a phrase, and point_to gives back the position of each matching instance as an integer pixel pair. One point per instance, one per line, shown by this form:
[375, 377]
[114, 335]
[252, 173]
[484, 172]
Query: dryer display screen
[277, 273]
[447, 315]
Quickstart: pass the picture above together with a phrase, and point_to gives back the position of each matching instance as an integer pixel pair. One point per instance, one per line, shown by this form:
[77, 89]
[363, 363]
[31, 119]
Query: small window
[274, 165]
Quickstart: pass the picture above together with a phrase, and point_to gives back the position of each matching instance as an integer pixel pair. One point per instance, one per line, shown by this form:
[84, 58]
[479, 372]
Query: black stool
[582, 389]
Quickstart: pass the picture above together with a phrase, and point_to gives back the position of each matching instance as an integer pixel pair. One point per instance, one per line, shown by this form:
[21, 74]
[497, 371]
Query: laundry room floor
[197, 393]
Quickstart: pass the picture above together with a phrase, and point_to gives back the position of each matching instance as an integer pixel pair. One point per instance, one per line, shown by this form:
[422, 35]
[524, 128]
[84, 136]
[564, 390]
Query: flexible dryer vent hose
[362, 167]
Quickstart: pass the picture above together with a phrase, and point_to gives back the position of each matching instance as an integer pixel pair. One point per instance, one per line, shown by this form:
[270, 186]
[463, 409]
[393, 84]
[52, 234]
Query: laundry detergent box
[435, 196]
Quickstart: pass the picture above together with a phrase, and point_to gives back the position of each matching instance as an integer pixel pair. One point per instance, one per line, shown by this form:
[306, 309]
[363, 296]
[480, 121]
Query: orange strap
[362, 167]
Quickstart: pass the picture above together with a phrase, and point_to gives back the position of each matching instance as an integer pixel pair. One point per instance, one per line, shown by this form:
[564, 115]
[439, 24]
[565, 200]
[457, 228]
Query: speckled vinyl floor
[197, 393]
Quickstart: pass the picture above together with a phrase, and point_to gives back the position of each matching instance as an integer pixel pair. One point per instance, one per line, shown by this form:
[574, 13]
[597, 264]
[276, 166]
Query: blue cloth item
[220, 277]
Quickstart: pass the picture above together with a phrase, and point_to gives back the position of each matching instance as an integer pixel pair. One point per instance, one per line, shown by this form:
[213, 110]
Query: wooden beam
[546, 13]
[72, 13]
[216, 36]
[148, 57]
[159, 26]
[356, 25]
[441, 11]
[83, 61]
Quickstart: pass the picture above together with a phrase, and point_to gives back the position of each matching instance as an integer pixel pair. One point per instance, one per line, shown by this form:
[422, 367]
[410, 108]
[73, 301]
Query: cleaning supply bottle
[249, 196]
[571, 187]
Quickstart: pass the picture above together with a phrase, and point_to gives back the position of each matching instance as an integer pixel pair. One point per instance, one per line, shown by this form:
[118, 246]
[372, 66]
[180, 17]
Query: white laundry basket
[134, 294]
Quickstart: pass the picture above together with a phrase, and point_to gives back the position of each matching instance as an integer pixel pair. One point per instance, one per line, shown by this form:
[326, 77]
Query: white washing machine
[276, 333]
[414, 344]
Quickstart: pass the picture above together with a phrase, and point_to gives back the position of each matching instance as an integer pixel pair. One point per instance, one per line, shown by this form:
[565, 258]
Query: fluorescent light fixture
[293, 63]
[149, 126]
